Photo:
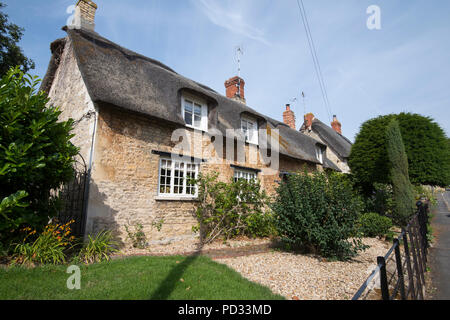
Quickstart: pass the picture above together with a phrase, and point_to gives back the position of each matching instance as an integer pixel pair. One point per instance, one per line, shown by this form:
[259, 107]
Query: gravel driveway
[305, 277]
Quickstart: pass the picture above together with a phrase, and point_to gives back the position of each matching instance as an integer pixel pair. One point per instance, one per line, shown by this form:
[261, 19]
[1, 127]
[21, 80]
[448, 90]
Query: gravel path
[306, 277]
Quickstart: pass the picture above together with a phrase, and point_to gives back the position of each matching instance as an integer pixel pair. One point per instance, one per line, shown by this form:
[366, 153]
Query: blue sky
[405, 66]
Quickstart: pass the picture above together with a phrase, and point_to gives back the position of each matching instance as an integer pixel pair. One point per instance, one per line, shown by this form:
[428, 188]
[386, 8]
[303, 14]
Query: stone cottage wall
[70, 94]
[126, 172]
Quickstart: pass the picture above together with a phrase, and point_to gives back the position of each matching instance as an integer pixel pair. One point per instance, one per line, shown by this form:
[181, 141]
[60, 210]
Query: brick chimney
[289, 117]
[309, 117]
[85, 14]
[336, 125]
[235, 89]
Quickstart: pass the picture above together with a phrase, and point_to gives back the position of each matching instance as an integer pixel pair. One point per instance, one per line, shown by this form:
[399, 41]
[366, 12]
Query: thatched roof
[340, 144]
[117, 76]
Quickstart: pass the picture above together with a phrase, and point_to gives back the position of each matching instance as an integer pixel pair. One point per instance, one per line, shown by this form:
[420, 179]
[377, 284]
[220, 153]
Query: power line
[313, 51]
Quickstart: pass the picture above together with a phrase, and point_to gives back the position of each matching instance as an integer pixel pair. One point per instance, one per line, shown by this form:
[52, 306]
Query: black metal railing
[401, 272]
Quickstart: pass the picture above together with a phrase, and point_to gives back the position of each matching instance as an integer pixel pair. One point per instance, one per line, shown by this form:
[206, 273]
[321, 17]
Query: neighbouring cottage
[134, 116]
[339, 146]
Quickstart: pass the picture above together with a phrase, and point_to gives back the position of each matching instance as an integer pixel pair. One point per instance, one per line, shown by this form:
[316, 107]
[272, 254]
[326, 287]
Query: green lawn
[136, 278]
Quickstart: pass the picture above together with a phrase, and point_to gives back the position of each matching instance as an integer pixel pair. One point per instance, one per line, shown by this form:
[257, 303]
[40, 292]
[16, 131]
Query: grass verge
[136, 278]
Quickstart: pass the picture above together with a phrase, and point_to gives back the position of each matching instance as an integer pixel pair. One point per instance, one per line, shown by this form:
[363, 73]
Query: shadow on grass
[168, 285]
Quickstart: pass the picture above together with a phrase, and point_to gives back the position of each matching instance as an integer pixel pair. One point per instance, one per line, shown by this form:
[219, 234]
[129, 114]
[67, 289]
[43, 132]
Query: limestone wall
[124, 186]
[70, 94]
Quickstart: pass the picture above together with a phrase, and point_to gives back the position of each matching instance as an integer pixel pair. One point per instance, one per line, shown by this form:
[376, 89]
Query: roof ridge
[92, 35]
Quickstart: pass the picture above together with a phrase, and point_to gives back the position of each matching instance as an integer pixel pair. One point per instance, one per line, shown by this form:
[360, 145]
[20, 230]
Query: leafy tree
[425, 145]
[319, 213]
[402, 188]
[11, 54]
[36, 155]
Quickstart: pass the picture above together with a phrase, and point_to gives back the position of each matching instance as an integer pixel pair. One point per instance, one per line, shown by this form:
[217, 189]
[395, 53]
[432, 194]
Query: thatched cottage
[131, 115]
[339, 146]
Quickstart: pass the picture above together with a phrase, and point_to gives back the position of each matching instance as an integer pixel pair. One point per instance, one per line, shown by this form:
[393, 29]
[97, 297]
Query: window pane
[198, 110]
[165, 176]
[178, 178]
[188, 106]
[188, 118]
[188, 112]
[197, 121]
[190, 174]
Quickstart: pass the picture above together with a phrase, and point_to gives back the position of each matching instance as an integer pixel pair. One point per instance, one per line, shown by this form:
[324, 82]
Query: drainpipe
[88, 177]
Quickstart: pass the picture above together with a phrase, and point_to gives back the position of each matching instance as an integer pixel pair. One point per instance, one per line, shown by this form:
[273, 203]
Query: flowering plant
[48, 247]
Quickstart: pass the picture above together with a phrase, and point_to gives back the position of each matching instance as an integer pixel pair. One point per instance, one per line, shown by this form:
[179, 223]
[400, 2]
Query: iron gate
[72, 197]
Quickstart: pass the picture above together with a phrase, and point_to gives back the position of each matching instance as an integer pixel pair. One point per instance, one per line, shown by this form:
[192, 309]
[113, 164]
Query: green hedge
[374, 225]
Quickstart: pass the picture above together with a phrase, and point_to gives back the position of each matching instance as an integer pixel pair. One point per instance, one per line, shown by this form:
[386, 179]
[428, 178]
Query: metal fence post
[416, 265]
[398, 259]
[418, 240]
[383, 278]
[423, 228]
[408, 265]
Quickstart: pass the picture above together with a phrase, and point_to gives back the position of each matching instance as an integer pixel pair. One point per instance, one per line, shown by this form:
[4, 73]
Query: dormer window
[249, 128]
[195, 113]
[319, 153]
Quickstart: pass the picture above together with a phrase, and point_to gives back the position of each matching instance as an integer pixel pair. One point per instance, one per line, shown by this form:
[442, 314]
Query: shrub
[9, 219]
[319, 213]
[230, 209]
[425, 192]
[98, 248]
[404, 204]
[137, 237]
[50, 246]
[374, 225]
[381, 200]
[261, 225]
[36, 154]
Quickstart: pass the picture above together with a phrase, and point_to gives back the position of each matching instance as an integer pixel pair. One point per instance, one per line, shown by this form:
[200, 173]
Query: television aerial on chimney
[239, 53]
[304, 103]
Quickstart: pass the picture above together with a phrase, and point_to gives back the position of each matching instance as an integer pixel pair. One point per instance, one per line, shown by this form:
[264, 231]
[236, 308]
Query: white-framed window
[175, 176]
[319, 153]
[249, 128]
[244, 174]
[195, 113]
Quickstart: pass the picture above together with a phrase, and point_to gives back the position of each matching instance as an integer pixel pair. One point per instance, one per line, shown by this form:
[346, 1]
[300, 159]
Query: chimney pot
[235, 89]
[289, 117]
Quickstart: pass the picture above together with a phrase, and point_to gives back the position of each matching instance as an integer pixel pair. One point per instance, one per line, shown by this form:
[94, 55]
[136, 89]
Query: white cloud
[232, 21]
